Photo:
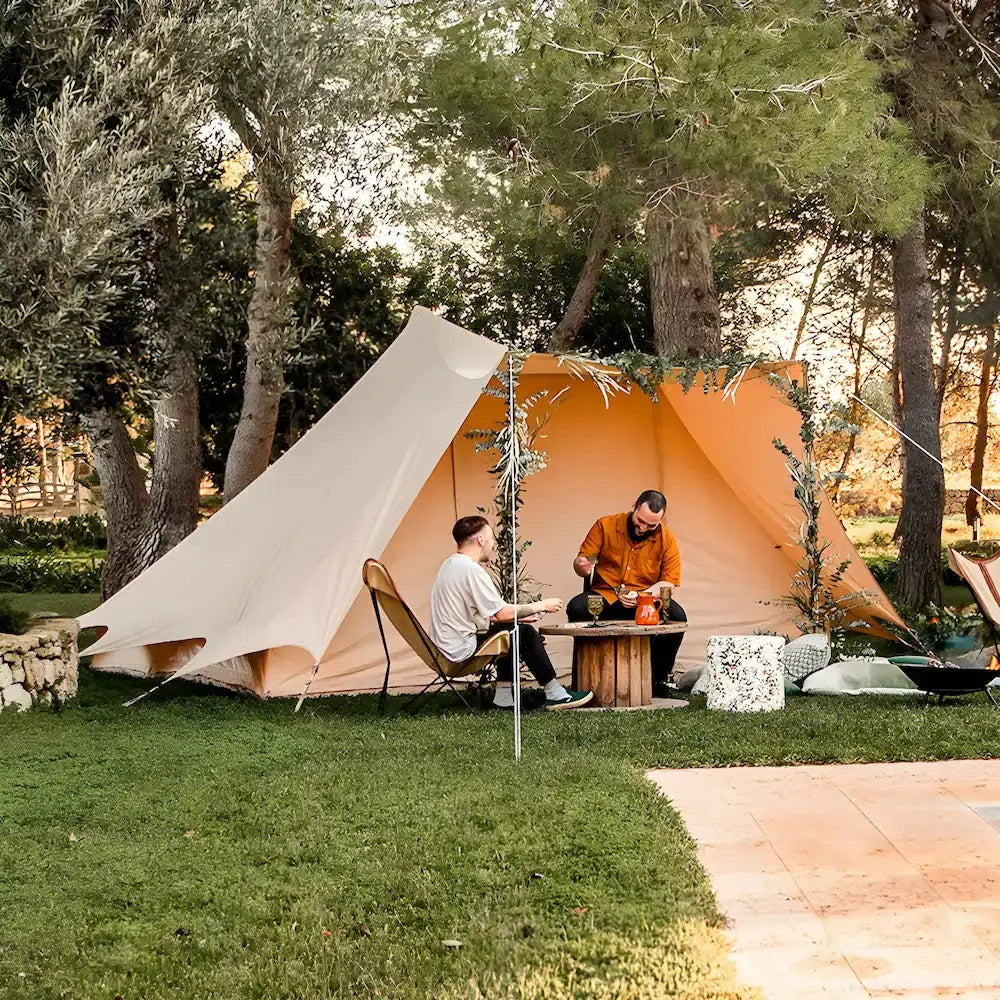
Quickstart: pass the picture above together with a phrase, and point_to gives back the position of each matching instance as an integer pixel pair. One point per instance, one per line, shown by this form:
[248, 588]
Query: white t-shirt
[464, 598]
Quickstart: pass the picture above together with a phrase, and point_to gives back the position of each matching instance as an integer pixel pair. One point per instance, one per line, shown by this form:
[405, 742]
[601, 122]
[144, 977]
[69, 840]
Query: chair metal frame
[487, 651]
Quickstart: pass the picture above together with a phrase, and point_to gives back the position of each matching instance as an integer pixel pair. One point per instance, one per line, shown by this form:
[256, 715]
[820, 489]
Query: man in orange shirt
[627, 554]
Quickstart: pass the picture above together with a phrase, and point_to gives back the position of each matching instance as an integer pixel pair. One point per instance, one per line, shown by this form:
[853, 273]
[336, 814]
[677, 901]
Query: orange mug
[647, 610]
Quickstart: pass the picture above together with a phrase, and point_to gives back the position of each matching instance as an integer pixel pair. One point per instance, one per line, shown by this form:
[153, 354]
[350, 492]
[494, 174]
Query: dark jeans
[663, 648]
[533, 653]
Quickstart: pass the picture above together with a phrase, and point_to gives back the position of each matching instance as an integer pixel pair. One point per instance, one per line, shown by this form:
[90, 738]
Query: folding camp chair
[983, 578]
[385, 597]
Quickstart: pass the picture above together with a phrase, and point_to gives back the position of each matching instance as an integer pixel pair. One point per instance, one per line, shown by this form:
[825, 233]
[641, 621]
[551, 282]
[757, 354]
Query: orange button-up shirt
[634, 565]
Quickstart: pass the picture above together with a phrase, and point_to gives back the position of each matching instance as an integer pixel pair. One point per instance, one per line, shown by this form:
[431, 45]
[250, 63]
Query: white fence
[49, 499]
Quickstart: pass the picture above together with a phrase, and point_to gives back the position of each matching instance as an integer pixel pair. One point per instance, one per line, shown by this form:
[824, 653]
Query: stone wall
[39, 667]
[954, 503]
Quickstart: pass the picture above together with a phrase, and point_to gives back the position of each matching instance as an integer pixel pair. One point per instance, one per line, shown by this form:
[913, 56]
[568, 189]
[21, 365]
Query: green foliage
[934, 626]
[523, 280]
[95, 115]
[18, 456]
[85, 531]
[350, 303]
[623, 105]
[517, 459]
[49, 574]
[13, 620]
[884, 567]
[813, 593]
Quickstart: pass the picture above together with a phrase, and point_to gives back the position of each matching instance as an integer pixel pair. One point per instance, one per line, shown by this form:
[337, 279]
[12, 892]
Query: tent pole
[515, 653]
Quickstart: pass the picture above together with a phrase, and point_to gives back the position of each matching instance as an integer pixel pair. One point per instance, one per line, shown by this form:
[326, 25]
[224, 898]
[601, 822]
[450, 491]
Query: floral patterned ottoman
[745, 673]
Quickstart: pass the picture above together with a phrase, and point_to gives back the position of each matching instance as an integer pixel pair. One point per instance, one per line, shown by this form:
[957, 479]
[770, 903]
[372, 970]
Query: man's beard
[633, 534]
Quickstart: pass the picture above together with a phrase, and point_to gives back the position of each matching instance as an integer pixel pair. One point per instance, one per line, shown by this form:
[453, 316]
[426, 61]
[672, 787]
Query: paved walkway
[853, 881]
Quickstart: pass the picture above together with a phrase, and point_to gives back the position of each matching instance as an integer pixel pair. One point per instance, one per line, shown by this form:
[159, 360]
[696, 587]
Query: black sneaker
[573, 699]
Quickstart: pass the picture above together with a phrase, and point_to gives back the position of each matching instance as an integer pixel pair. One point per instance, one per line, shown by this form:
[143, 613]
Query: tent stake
[305, 690]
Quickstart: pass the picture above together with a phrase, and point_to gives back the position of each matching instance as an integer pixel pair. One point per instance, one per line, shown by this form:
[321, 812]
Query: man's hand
[628, 599]
[551, 604]
[584, 566]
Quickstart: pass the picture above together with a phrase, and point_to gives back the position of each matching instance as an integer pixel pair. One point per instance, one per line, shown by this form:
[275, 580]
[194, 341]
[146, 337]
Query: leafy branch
[813, 591]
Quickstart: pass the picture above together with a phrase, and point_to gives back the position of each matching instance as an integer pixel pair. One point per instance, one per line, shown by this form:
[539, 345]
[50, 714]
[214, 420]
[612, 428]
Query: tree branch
[601, 240]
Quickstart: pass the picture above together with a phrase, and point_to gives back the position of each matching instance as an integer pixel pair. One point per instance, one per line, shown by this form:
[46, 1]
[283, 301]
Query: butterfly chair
[385, 597]
[983, 578]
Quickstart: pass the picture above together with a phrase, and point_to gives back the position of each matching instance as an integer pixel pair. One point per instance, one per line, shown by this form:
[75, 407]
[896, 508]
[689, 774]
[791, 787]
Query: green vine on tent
[812, 594]
[649, 371]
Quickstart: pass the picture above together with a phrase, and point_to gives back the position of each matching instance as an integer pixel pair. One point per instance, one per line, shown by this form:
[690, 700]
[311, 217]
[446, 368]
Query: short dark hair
[466, 527]
[653, 499]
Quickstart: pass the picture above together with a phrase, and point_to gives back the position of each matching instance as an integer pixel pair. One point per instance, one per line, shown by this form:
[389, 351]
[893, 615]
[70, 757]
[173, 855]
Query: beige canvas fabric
[274, 579]
[983, 576]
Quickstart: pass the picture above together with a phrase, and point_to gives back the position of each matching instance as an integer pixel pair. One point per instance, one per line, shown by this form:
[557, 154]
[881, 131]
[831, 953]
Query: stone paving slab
[853, 881]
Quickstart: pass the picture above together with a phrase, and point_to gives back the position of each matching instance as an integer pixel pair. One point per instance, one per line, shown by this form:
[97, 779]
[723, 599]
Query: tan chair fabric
[983, 577]
[376, 577]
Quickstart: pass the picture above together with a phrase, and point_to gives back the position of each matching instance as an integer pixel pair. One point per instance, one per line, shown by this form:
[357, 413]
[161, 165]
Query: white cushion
[859, 677]
[805, 655]
[687, 680]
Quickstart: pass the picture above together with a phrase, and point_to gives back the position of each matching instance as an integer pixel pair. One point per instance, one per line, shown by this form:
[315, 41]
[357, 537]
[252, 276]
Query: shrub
[49, 574]
[85, 531]
[885, 568]
[13, 621]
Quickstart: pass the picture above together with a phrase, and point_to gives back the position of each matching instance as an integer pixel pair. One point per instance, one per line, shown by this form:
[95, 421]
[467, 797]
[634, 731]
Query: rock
[40, 666]
[16, 695]
[66, 688]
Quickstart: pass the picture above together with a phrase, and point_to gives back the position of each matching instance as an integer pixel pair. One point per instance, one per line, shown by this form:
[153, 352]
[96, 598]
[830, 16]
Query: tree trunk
[250, 451]
[922, 513]
[811, 295]
[123, 492]
[601, 241]
[685, 305]
[972, 513]
[176, 481]
[950, 330]
[854, 414]
[43, 468]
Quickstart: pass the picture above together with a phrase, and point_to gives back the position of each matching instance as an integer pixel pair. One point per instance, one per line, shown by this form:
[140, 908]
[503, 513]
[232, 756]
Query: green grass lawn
[67, 605]
[203, 845]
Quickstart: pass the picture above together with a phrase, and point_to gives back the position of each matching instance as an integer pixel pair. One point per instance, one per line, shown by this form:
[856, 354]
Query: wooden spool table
[613, 659]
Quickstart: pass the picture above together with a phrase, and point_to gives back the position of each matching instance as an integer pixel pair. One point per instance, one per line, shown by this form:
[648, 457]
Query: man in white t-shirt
[465, 599]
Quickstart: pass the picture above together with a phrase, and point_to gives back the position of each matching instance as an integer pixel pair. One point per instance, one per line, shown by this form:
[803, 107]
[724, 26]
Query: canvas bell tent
[271, 584]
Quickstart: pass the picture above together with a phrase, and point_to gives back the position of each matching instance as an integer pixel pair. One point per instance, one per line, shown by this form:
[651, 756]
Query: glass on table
[595, 605]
